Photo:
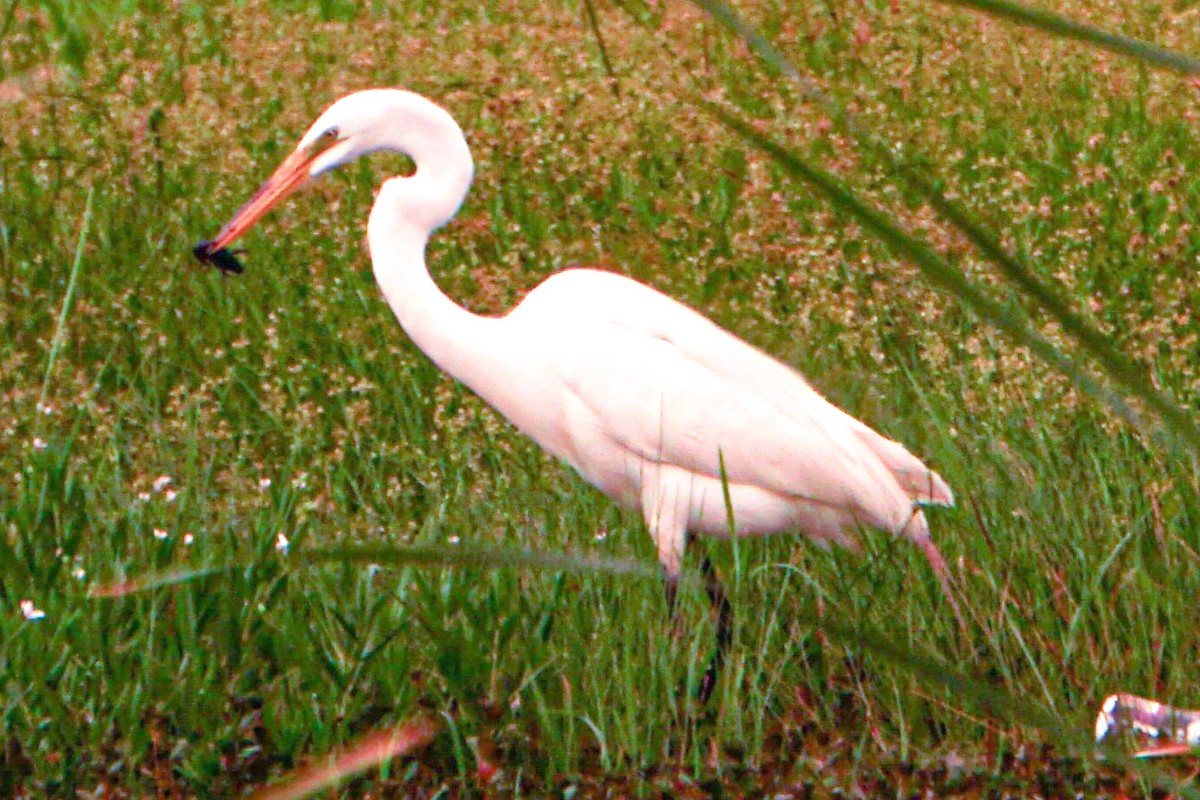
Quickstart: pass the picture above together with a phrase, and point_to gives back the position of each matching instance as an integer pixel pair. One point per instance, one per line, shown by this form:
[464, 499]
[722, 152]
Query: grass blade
[397, 555]
[59, 329]
[155, 580]
[372, 750]
[475, 556]
[1058, 25]
[594, 24]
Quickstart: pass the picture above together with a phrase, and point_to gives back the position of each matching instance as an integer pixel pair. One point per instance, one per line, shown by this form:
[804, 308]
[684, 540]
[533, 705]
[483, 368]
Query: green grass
[287, 401]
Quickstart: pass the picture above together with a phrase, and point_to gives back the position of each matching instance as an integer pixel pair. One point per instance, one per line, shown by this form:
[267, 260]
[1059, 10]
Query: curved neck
[488, 354]
[406, 211]
[477, 350]
[461, 343]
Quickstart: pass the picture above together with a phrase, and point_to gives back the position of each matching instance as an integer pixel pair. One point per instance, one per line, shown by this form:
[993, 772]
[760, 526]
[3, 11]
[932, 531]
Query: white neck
[406, 212]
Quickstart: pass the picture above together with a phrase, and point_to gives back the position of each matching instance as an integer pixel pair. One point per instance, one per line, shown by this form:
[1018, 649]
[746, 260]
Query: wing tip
[934, 491]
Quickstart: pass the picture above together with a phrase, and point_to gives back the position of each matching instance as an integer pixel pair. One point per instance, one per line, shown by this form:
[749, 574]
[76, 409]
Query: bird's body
[664, 411]
[649, 401]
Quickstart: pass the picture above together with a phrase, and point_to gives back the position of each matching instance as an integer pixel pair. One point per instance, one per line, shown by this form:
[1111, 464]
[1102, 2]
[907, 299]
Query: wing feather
[715, 391]
[651, 398]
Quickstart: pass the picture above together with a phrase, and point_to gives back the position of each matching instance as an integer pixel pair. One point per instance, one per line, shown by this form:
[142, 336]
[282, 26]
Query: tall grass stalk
[61, 327]
[1060, 26]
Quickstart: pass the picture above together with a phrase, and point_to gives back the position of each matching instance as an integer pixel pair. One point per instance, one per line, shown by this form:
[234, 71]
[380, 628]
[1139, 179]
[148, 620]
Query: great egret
[650, 402]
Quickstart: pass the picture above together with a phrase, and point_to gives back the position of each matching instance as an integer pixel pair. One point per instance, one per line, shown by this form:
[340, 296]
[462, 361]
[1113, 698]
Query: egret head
[357, 124]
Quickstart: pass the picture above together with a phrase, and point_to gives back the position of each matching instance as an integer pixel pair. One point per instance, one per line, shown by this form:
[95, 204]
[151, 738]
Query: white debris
[1179, 727]
[31, 612]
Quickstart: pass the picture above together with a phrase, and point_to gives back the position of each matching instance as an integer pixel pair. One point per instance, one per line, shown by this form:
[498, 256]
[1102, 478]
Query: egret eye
[326, 140]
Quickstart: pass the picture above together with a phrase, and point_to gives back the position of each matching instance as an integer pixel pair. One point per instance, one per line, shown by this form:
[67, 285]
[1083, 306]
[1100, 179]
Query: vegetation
[157, 416]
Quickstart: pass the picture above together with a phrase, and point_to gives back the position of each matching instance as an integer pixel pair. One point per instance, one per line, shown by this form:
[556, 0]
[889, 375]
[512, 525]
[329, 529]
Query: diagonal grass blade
[1120, 368]
[370, 751]
[936, 268]
[397, 555]
[60, 328]
[1058, 25]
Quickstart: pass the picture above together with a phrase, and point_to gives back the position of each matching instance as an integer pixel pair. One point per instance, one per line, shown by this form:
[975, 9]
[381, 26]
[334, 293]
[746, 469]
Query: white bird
[650, 402]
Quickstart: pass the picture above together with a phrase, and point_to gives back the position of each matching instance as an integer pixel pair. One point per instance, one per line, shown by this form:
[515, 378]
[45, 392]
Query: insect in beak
[222, 258]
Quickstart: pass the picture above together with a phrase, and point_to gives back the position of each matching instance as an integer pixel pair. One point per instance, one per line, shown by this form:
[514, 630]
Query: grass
[287, 402]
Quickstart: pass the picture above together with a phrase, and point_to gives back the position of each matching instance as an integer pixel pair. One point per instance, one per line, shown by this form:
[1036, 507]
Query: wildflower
[80, 573]
[281, 542]
[264, 483]
[161, 482]
[452, 539]
[188, 538]
[601, 534]
[39, 443]
[160, 534]
[30, 611]
[143, 496]
[169, 495]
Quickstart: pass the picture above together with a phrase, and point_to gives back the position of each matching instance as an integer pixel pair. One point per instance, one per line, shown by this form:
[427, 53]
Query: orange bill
[291, 175]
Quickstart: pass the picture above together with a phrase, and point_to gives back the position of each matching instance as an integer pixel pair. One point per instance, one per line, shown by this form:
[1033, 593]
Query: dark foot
[724, 623]
[671, 589]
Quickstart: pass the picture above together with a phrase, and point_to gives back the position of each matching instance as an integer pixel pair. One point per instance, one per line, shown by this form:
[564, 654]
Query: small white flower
[30, 611]
[452, 539]
[39, 443]
[161, 482]
[300, 481]
[160, 534]
[281, 543]
[601, 534]
[45, 408]
[169, 495]
[80, 573]
[143, 496]
[188, 538]
[264, 483]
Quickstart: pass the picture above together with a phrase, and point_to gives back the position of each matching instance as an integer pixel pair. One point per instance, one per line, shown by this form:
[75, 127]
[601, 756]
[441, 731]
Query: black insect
[223, 259]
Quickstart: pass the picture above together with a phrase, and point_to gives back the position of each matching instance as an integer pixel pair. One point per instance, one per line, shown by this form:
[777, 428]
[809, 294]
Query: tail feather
[920, 483]
[925, 486]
